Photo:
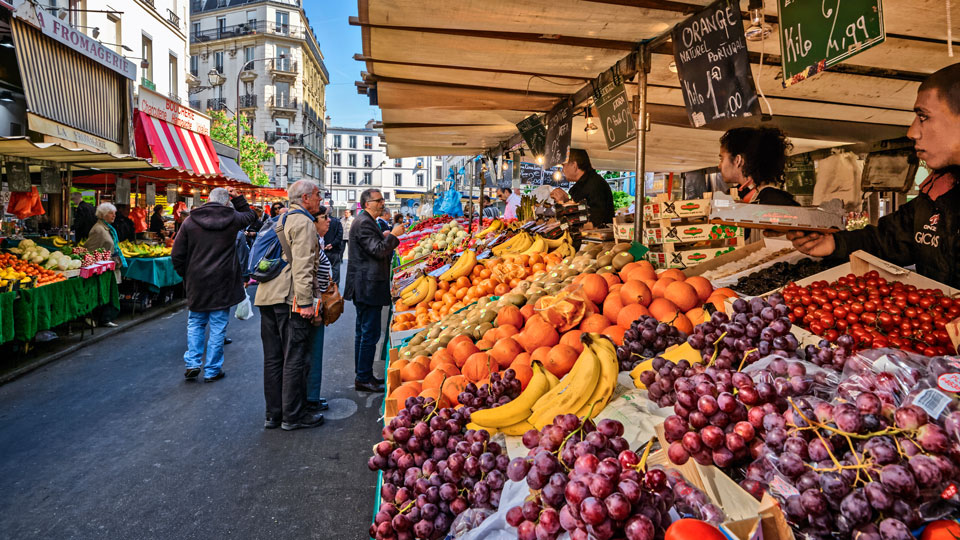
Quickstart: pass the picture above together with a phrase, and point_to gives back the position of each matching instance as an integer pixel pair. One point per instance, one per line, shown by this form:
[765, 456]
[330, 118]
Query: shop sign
[814, 37]
[534, 134]
[171, 192]
[62, 32]
[163, 108]
[69, 134]
[710, 51]
[50, 180]
[559, 131]
[151, 195]
[18, 174]
[613, 109]
[123, 189]
[530, 174]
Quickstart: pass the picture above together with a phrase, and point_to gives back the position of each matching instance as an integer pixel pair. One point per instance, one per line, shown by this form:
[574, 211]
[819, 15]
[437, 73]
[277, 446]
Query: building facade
[283, 90]
[359, 160]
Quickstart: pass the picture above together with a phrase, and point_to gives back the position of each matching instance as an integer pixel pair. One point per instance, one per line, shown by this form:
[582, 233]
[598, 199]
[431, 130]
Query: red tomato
[687, 529]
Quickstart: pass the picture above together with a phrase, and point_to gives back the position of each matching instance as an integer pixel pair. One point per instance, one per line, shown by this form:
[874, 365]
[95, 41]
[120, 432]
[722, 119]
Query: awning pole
[643, 64]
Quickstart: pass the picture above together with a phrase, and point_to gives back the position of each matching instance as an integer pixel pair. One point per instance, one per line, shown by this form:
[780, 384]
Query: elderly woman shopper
[324, 276]
[104, 236]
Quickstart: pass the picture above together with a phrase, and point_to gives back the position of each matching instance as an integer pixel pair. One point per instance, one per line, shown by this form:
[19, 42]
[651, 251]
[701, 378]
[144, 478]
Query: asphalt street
[113, 443]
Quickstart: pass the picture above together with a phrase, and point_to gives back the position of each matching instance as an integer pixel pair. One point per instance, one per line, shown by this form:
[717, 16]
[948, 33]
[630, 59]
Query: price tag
[439, 271]
[485, 255]
[949, 382]
[932, 401]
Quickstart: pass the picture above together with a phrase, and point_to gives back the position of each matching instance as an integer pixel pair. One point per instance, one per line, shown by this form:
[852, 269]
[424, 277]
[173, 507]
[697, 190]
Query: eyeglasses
[375, 200]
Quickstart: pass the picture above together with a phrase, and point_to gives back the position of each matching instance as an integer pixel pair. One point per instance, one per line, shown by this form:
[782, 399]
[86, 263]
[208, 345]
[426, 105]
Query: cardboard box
[694, 232]
[826, 217]
[686, 258]
[734, 256]
[623, 227]
[677, 209]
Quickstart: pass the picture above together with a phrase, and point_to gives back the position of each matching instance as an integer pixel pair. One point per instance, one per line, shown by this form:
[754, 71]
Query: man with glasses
[368, 283]
[590, 188]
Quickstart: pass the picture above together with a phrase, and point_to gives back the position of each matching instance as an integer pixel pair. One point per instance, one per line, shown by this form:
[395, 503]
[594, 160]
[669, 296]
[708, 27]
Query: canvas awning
[452, 77]
[174, 146]
[21, 147]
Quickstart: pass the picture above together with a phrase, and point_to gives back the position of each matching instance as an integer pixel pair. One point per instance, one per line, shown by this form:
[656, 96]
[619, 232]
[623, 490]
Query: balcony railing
[172, 17]
[294, 139]
[210, 5]
[150, 3]
[217, 104]
[282, 65]
[282, 102]
[249, 28]
[195, 104]
[248, 101]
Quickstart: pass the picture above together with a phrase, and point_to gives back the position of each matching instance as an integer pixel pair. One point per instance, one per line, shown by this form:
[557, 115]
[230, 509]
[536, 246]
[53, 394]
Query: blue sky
[339, 42]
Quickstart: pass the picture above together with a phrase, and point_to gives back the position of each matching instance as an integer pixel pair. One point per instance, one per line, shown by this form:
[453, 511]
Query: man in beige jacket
[287, 304]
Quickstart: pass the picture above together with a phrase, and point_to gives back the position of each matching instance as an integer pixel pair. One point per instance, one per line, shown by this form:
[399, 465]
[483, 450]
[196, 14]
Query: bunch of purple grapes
[499, 391]
[659, 380]
[899, 478]
[588, 483]
[646, 338]
[433, 470]
[824, 354]
[758, 328]
[791, 378]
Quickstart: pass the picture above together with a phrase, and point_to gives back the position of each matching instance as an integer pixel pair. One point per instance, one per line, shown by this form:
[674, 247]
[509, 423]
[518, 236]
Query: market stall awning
[175, 147]
[21, 147]
[453, 77]
[231, 169]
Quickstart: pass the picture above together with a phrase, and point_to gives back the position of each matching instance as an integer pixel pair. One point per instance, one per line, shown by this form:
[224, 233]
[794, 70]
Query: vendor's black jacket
[368, 268]
[205, 254]
[595, 192]
[84, 218]
[156, 224]
[124, 227]
[923, 232]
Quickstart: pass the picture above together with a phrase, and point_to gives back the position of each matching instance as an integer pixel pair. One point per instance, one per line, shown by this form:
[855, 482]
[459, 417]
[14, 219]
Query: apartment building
[270, 69]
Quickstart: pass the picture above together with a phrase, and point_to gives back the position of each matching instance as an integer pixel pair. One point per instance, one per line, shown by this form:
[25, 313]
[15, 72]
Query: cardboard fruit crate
[664, 208]
[692, 232]
[390, 405]
[686, 258]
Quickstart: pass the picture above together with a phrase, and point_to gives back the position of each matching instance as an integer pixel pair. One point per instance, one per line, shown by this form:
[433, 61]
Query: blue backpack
[266, 256]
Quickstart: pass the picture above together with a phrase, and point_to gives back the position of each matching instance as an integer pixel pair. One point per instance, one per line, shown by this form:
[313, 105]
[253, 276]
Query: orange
[463, 281]
[631, 313]
[702, 285]
[682, 294]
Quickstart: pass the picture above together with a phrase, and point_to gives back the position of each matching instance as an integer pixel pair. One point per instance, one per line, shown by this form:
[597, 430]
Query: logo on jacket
[928, 239]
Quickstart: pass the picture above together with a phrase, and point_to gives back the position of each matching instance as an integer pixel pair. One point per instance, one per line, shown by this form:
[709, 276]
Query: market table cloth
[54, 304]
[6, 315]
[157, 272]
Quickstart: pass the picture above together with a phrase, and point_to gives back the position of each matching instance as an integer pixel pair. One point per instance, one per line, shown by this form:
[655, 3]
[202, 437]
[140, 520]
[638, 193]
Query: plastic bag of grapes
[890, 374]
[776, 376]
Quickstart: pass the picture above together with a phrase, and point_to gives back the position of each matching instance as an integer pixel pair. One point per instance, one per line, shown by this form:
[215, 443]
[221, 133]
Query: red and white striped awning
[173, 146]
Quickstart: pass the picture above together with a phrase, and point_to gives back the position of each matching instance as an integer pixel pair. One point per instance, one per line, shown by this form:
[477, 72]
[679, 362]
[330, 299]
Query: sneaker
[227, 341]
[317, 406]
[111, 324]
[306, 421]
[221, 374]
[191, 374]
[375, 385]
[271, 423]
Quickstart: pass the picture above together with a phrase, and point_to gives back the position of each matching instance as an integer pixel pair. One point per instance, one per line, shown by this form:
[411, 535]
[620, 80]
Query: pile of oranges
[495, 277]
[13, 268]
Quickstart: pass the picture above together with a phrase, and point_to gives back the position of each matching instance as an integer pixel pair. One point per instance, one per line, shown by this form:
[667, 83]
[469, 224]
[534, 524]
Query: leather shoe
[317, 406]
[305, 421]
[271, 423]
[191, 374]
[227, 341]
[221, 374]
[372, 386]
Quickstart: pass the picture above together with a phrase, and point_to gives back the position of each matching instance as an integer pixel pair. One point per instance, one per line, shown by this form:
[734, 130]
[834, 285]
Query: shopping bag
[244, 308]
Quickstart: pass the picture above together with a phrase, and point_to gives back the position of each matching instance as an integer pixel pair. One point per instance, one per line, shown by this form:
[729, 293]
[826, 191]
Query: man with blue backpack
[285, 264]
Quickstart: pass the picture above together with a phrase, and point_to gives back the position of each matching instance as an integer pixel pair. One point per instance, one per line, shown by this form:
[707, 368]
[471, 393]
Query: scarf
[116, 245]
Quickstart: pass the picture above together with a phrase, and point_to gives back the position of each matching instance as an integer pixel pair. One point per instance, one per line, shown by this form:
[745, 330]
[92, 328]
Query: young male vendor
[926, 230]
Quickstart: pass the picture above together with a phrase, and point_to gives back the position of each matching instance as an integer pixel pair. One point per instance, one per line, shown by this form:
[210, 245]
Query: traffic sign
[281, 170]
[281, 146]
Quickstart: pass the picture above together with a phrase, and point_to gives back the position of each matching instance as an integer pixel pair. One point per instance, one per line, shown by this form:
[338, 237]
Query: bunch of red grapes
[646, 338]
[875, 312]
[587, 482]
[758, 328]
[499, 391]
[433, 470]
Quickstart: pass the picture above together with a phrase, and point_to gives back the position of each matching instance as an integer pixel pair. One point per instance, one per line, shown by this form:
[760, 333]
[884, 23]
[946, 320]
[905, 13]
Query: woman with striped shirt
[324, 275]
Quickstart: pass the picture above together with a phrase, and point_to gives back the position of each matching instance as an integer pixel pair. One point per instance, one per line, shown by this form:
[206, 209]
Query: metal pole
[639, 198]
[236, 115]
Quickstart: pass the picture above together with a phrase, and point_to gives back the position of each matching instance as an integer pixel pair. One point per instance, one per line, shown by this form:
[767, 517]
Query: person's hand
[327, 247]
[559, 195]
[234, 192]
[306, 312]
[813, 243]
[397, 230]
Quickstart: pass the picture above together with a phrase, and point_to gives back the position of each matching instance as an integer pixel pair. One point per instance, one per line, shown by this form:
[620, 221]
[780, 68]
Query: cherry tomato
[816, 328]
[853, 318]
[840, 312]
[842, 325]
[911, 312]
[869, 317]
[879, 342]
[870, 306]
[831, 335]
[927, 301]
[856, 308]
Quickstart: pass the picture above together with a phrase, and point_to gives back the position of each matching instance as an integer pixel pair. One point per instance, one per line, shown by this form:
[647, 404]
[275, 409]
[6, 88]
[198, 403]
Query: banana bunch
[562, 246]
[519, 243]
[586, 389]
[56, 241]
[495, 226]
[421, 290]
[134, 250]
[463, 266]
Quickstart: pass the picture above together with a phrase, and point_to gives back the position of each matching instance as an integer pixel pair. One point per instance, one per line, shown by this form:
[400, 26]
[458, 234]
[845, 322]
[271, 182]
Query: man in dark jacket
[123, 224]
[590, 188]
[84, 216]
[333, 245]
[205, 254]
[926, 230]
[368, 283]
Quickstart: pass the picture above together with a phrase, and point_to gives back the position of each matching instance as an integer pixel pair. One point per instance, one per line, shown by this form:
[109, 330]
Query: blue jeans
[316, 364]
[365, 343]
[196, 329]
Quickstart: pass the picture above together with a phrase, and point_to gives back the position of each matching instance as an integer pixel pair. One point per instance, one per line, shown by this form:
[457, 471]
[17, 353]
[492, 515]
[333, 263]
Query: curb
[40, 362]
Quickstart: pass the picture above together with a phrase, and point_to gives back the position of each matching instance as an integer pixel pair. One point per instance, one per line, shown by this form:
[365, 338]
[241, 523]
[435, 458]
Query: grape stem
[887, 431]
[716, 350]
[745, 355]
[642, 465]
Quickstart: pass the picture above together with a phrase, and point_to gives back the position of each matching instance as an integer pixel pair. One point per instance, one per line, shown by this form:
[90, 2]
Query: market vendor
[923, 232]
[590, 188]
[512, 201]
[754, 159]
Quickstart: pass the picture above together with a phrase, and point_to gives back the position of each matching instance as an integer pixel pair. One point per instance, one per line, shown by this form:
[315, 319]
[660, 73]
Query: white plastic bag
[244, 309]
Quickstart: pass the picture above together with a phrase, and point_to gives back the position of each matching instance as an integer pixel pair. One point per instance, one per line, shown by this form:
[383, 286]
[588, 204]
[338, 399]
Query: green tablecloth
[6, 315]
[157, 272]
[54, 304]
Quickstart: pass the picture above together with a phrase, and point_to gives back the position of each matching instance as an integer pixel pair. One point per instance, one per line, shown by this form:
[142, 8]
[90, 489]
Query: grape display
[758, 328]
[433, 470]
[777, 275]
[586, 481]
[499, 391]
[646, 338]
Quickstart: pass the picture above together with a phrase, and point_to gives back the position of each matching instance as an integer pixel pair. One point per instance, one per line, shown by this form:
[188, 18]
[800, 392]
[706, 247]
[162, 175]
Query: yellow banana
[554, 381]
[409, 288]
[517, 429]
[431, 290]
[463, 266]
[553, 244]
[519, 409]
[539, 245]
[609, 369]
[523, 243]
[418, 295]
[509, 244]
[573, 391]
[495, 226]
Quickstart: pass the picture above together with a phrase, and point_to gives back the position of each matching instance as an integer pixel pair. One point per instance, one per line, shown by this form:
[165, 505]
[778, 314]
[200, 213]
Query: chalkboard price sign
[18, 175]
[616, 120]
[710, 51]
[534, 134]
[559, 130]
[817, 35]
[530, 174]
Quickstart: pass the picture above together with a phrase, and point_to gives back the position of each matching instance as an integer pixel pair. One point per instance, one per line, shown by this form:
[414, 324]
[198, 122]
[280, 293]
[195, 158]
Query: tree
[252, 151]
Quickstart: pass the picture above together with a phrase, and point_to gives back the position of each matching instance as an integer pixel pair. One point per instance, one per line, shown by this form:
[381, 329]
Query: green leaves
[252, 151]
